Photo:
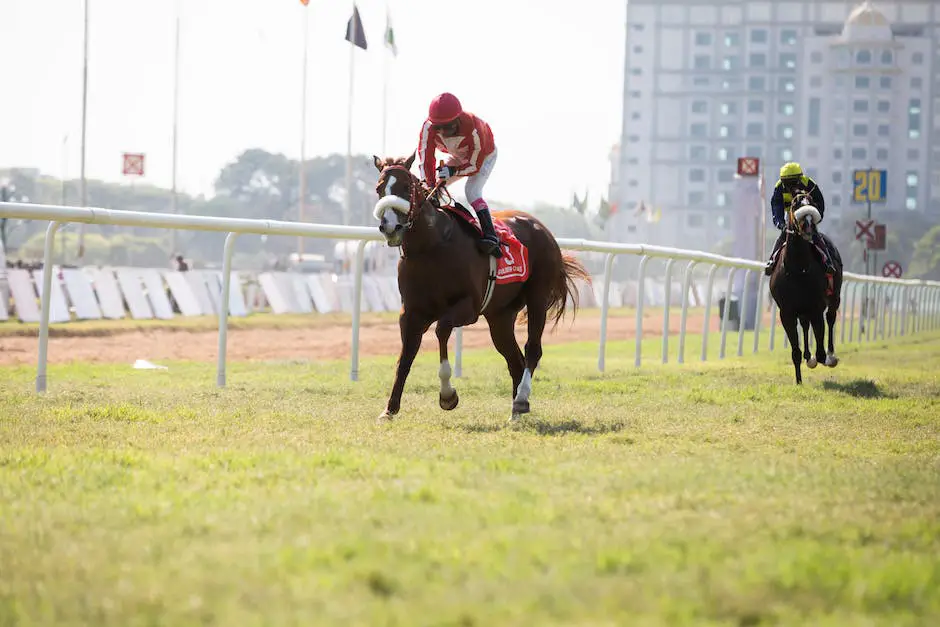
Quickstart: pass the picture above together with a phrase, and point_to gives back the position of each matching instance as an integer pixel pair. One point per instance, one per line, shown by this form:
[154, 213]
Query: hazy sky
[546, 75]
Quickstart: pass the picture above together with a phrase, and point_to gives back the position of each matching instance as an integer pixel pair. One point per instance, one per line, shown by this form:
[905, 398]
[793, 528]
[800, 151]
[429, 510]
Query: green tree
[925, 263]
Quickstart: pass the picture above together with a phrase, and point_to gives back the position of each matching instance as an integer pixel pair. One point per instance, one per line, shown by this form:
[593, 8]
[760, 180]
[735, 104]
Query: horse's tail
[565, 286]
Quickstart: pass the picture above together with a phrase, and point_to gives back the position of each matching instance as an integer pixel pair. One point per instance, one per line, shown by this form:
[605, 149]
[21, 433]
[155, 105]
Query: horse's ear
[410, 160]
[378, 163]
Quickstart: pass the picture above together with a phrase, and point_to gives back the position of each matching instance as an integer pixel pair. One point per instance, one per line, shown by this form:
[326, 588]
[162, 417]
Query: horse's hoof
[385, 417]
[831, 360]
[520, 407]
[515, 417]
[811, 362]
[447, 404]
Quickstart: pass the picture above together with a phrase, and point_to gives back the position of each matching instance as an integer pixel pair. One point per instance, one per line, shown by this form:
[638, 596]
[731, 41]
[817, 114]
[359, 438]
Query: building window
[731, 63]
[786, 108]
[837, 177]
[696, 198]
[758, 36]
[813, 117]
[812, 152]
[788, 36]
[881, 154]
[913, 118]
[724, 154]
[884, 106]
[755, 106]
[836, 200]
[633, 139]
[911, 203]
[786, 155]
[637, 49]
[917, 58]
[694, 220]
[721, 199]
[911, 181]
[860, 106]
[636, 71]
[732, 39]
[838, 129]
[837, 153]
[703, 39]
[696, 175]
[787, 84]
[860, 130]
[887, 58]
[815, 81]
[913, 154]
[699, 106]
[729, 108]
[722, 222]
[885, 82]
[757, 59]
[753, 151]
[637, 27]
[635, 115]
[698, 153]
[785, 131]
[884, 130]
[862, 82]
[859, 154]
[788, 60]
[698, 129]
[633, 183]
[815, 57]
[726, 130]
[863, 57]
[756, 83]
[917, 82]
[754, 129]
[702, 62]
[634, 94]
[725, 176]
[701, 81]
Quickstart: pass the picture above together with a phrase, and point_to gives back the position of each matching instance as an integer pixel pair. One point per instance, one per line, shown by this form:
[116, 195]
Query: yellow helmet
[791, 170]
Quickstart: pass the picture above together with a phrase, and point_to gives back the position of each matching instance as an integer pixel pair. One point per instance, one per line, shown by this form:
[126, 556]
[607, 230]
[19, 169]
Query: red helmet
[445, 108]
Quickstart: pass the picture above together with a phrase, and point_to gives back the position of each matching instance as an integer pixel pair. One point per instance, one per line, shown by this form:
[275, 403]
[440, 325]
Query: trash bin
[733, 312]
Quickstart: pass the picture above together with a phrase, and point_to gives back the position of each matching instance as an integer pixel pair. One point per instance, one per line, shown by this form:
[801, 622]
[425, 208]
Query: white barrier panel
[197, 283]
[296, 285]
[4, 314]
[919, 311]
[328, 281]
[272, 292]
[182, 293]
[321, 300]
[109, 295]
[156, 294]
[24, 295]
[81, 294]
[236, 299]
[370, 288]
[390, 294]
[131, 286]
[60, 307]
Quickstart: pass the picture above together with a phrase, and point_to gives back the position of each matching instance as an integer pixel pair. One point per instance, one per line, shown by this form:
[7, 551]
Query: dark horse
[798, 285]
[443, 278]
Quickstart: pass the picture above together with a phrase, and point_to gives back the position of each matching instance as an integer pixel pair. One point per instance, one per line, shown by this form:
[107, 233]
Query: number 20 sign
[870, 186]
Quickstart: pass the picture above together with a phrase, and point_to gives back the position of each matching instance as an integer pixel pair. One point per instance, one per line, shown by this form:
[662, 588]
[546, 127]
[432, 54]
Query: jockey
[792, 181]
[469, 142]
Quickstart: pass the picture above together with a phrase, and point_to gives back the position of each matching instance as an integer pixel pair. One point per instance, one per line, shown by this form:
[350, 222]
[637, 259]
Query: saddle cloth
[513, 266]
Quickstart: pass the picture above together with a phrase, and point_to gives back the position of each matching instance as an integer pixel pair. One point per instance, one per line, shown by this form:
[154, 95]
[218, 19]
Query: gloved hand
[445, 172]
[779, 225]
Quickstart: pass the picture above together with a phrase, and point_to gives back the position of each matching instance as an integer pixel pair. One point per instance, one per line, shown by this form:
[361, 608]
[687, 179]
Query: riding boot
[489, 243]
[769, 268]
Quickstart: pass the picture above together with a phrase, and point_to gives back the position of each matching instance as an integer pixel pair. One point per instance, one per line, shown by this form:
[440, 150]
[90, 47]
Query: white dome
[866, 23]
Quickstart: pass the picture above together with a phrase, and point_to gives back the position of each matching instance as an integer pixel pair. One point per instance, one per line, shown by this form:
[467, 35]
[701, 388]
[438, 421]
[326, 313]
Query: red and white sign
[133, 164]
[892, 269]
[880, 239]
[864, 230]
[748, 166]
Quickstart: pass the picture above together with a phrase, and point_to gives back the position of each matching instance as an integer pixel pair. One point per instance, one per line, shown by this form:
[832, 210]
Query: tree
[925, 263]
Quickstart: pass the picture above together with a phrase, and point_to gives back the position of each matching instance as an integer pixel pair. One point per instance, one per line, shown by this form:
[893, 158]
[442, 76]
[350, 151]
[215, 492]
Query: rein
[417, 196]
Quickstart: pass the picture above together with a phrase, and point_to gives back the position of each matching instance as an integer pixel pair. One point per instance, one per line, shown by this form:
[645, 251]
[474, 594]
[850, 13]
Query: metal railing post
[759, 310]
[357, 311]
[224, 306]
[742, 314]
[605, 306]
[708, 309]
[666, 304]
[686, 288]
[640, 295]
[727, 312]
[47, 273]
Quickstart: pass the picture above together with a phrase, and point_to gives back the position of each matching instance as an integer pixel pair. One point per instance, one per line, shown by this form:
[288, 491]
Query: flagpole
[176, 108]
[84, 184]
[303, 138]
[347, 208]
[385, 84]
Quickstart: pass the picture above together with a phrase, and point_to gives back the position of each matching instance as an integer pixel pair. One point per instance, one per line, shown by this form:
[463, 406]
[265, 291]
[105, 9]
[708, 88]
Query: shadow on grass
[859, 388]
[544, 427]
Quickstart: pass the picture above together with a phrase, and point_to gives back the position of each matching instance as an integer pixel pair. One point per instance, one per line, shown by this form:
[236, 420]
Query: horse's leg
[807, 355]
[536, 312]
[461, 314]
[504, 339]
[788, 320]
[819, 331]
[831, 314]
[412, 328]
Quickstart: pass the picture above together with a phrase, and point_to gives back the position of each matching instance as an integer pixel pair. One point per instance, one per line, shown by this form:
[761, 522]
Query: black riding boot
[769, 268]
[489, 243]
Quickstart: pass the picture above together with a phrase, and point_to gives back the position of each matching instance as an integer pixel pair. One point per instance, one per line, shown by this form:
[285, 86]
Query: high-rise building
[836, 85]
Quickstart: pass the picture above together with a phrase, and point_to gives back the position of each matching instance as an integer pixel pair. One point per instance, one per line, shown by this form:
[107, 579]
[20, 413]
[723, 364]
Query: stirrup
[490, 246]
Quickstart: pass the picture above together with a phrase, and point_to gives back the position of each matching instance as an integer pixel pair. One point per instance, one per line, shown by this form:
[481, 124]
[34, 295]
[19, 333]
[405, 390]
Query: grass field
[715, 493]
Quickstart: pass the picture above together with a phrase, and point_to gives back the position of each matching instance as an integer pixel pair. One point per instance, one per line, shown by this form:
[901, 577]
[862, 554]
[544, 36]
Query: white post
[686, 288]
[605, 306]
[224, 306]
[773, 323]
[759, 317]
[640, 293]
[84, 182]
[727, 312]
[666, 303]
[347, 205]
[302, 192]
[855, 288]
[742, 314]
[708, 309]
[176, 106]
[842, 303]
[47, 273]
[357, 310]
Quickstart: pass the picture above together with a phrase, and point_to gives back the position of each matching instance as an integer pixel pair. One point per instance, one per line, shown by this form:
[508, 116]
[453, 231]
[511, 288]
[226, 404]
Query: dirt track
[330, 342]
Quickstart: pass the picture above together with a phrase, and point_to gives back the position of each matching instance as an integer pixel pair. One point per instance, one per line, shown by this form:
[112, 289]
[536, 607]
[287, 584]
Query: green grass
[716, 493]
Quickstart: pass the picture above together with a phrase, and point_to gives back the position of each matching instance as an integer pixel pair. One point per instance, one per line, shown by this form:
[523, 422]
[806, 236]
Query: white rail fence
[890, 306]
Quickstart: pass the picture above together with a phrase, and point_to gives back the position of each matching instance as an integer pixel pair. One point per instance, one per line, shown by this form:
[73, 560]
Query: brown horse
[444, 278]
[798, 285]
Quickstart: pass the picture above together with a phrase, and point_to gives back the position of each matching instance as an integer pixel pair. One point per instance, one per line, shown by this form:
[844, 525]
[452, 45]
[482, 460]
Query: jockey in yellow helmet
[793, 181]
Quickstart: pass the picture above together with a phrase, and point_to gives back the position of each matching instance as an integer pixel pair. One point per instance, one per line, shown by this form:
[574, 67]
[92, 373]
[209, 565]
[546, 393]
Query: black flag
[354, 32]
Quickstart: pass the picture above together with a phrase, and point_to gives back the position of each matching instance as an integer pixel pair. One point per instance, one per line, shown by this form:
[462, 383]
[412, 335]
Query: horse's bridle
[416, 195]
[800, 197]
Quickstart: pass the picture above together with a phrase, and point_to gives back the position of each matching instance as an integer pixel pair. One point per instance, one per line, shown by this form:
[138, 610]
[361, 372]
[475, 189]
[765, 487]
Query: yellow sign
[870, 186]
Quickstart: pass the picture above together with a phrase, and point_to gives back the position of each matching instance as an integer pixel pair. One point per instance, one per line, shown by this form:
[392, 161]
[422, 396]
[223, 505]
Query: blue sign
[870, 186]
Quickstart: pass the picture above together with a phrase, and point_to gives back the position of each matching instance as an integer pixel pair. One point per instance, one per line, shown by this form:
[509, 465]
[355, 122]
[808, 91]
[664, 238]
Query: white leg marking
[444, 374]
[525, 387]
